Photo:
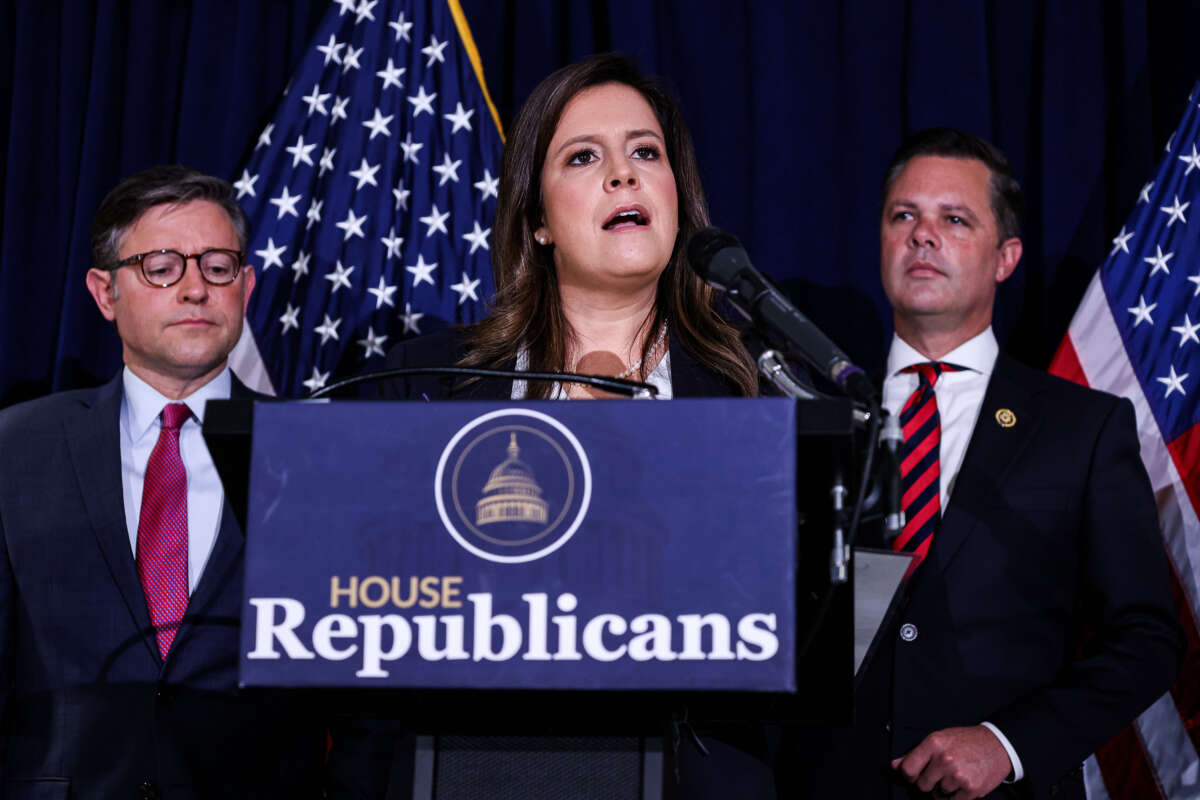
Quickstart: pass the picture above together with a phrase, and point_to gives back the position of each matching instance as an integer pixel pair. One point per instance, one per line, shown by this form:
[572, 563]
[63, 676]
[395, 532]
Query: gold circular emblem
[1006, 418]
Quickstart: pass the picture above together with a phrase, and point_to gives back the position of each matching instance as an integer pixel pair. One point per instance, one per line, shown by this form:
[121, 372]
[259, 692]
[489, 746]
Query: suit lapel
[691, 379]
[227, 549]
[993, 449]
[94, 440]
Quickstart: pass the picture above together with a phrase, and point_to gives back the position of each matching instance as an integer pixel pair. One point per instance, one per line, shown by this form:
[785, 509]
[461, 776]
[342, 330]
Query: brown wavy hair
[527, 309]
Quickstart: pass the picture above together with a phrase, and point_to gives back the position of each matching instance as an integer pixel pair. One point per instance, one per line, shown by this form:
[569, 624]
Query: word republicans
[501, 637]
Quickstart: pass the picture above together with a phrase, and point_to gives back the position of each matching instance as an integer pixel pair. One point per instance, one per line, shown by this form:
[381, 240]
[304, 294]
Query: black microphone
[719, 258]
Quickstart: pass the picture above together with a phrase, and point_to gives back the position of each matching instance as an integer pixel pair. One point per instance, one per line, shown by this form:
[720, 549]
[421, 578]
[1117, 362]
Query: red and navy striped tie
[919, 472]
[162, 542]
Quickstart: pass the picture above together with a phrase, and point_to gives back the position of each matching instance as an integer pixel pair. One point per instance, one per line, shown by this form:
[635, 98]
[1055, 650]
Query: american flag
[1134, 335]
[371, 195]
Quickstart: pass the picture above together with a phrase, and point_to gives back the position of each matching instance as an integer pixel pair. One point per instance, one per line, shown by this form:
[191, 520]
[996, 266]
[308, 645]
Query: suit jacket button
[908, 632]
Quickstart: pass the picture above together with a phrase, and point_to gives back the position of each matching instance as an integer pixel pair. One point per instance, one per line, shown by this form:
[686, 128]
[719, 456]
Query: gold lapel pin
[1006, 418]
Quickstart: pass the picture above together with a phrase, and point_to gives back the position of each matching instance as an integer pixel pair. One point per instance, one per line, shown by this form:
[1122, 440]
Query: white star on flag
[379, 124]
[383, 293]
[339, 277]
[411, 318]
[364, 11]
[391, 75]
[1193, 161]
[317, 381]
[339, 109]
[461, 119]
[371, 344]
[422, 102]
[264, 138]
[1144, 194]
[1141, 312]
[271, 255]
[466, 288]
[365, 174]
[328, 329]
[290, 318]
[411, 148]
[401, 194]
[1159, 261]
[488, 186]
[300, 265]
[434, 51]
[1187, 331]
[286, 203]
[1121, 242]
[332, 50]
[435, 221]
[245, 184]
[1173, 382]
[448, 170]
[392, 242]
[301, 152]
[422, 271]
[401, 27]
[352, 225]
[316, 101]
[350, 60]
[477, 237]
[1176, 211]
[313, 215]
[326, 163]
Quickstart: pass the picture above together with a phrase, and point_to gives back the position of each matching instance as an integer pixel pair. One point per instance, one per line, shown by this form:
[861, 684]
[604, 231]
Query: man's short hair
[1007, 203]
[172, 184]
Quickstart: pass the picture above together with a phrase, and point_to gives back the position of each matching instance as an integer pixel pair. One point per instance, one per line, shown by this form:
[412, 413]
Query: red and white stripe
[1156, 757]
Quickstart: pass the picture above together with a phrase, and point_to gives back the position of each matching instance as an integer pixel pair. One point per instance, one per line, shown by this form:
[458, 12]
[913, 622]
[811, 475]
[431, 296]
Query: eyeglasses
[163, 268]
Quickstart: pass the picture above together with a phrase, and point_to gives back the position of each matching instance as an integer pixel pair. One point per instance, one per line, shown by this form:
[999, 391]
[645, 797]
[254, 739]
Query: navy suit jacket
[1043, 606]
[89, 707]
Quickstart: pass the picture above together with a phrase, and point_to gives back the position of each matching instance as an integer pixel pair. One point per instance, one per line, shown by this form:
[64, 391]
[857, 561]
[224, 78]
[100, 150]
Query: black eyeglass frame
[140, 259]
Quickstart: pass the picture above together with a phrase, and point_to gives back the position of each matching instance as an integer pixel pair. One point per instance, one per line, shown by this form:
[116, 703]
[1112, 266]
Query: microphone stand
[890, 439]
[635, 389]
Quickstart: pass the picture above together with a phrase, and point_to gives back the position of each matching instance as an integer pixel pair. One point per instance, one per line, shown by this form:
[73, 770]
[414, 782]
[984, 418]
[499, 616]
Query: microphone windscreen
[704, 245]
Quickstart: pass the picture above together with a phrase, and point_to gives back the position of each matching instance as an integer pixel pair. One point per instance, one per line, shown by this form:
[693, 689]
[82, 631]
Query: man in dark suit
[120, 562]
[1037, 620]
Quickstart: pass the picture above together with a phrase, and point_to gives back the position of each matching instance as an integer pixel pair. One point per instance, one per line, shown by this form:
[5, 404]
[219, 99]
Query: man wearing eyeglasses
[120, 562]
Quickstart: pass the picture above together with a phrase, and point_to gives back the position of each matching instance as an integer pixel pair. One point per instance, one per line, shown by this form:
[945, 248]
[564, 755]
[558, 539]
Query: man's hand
[963, 763]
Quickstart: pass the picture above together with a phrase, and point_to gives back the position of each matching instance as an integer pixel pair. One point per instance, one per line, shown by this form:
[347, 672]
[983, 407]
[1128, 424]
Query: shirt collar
[977, 354]
[143, 403]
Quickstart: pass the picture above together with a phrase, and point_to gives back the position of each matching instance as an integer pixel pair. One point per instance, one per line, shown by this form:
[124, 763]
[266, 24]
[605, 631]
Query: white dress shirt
[141, 422]
[959, 399]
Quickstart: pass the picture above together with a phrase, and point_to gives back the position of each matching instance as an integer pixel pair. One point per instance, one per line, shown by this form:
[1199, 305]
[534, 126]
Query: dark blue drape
[794, 108]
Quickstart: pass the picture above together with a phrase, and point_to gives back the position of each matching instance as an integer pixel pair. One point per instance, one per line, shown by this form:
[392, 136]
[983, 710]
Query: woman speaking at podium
[599, 194]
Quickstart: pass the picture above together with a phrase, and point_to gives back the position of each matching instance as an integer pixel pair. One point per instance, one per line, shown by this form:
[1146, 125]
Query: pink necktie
[162, 541]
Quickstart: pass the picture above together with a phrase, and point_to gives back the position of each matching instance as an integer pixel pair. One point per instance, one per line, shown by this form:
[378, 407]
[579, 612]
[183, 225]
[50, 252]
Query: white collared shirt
[959, 400]
[141, 422]
[959, 395]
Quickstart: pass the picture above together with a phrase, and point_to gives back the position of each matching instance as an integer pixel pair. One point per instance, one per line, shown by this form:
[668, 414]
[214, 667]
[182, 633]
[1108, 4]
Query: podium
[524, 569]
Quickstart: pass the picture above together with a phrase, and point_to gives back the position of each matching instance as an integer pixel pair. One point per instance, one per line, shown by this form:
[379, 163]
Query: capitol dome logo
[513, 485]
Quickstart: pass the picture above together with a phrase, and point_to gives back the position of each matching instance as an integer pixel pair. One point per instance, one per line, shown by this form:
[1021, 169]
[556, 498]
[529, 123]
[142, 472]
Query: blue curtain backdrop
[794, 107]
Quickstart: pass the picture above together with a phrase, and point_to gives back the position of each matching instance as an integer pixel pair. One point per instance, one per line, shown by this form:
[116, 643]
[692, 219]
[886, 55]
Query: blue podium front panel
[551, 545]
